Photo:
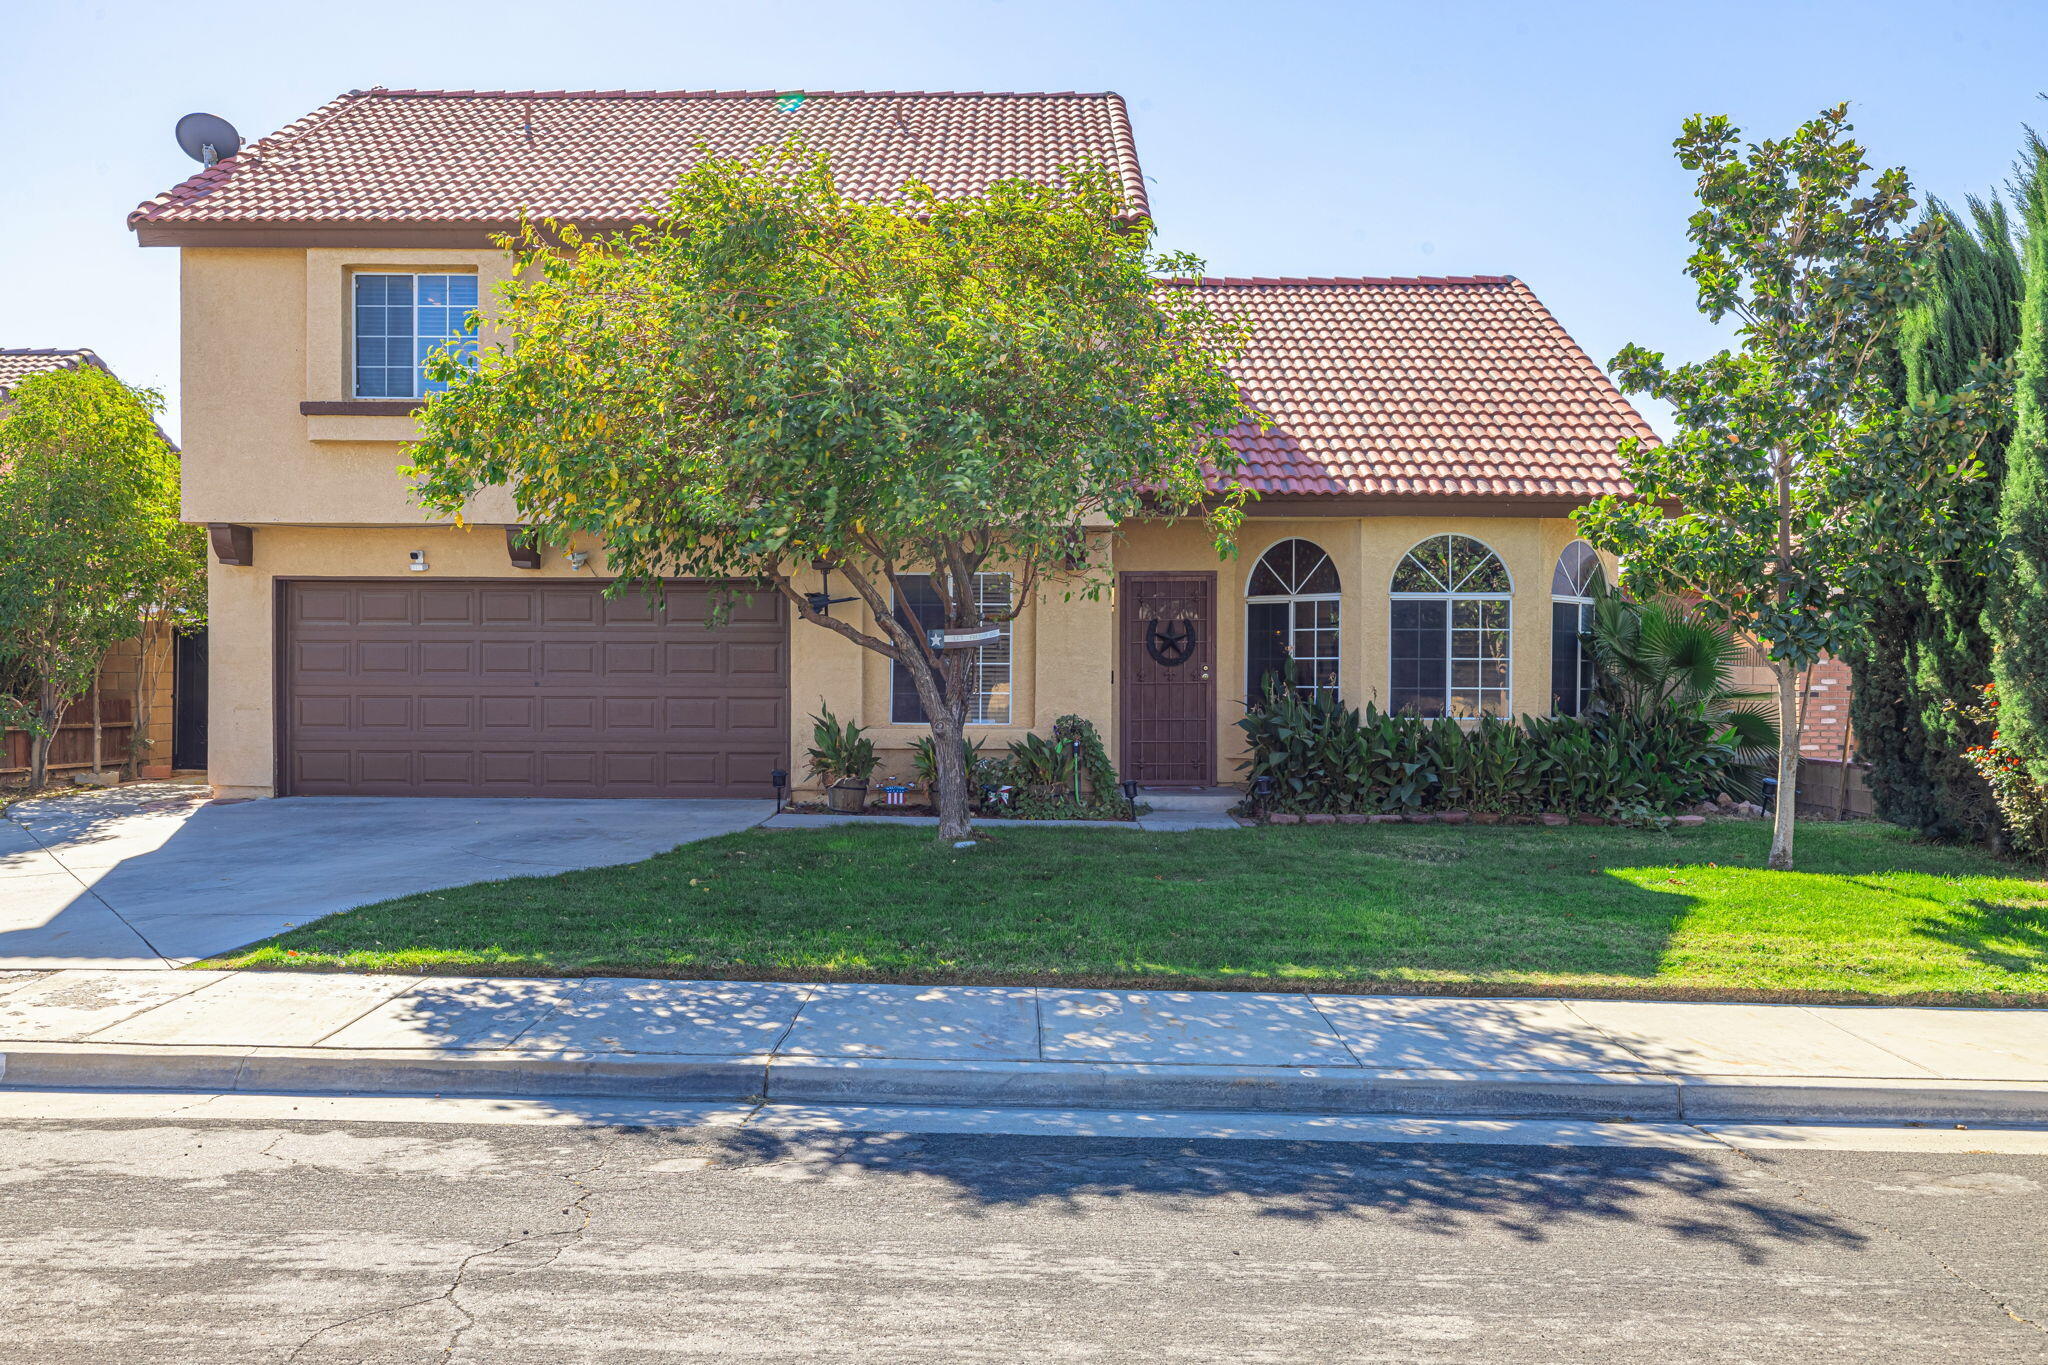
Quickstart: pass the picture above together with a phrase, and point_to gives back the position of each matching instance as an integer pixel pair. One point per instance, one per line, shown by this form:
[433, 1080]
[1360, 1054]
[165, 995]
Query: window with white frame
[1577, 578]
[1451, 637]
[400, 320]
[918, 606]
[1291, 607]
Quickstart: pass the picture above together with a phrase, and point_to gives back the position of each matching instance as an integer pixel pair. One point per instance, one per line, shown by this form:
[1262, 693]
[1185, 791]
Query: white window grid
[991, 668]
[1314, 637]
[438, 317]
[1314, 640]
[1477, 681]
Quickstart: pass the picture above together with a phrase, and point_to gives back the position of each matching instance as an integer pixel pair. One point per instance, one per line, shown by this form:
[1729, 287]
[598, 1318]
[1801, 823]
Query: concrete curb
[1608, 1096]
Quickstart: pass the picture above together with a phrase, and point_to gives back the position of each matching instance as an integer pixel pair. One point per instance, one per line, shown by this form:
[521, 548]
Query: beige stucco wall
[1365, 551]
[266, 329]
[1063, 648]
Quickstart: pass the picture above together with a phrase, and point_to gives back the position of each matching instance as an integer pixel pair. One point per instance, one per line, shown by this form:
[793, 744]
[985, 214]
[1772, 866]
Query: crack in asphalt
[568, 1237]
[1800, 1191]
[450, 1295]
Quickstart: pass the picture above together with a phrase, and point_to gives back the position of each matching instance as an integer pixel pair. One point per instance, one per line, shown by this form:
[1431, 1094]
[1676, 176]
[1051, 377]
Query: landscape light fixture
[780, 777]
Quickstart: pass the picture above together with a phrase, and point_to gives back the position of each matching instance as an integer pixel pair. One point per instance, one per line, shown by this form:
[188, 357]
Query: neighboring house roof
[1452, 387]
[477, 159]
[19, 363]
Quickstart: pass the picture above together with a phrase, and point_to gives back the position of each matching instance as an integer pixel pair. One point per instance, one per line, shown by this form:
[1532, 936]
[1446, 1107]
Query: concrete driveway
[153, 873]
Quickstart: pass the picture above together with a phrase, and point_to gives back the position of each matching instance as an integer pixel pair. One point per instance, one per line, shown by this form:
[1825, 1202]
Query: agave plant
[1665, 669]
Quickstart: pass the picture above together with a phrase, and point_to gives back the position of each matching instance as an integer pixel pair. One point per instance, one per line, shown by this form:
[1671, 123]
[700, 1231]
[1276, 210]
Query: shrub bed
[1328, 759]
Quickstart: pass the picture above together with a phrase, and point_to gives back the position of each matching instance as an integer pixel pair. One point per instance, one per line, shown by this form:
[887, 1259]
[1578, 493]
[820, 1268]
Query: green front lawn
[1578, 910]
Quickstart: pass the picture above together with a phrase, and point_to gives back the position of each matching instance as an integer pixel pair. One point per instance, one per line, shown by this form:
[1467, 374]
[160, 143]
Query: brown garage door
[529, 689]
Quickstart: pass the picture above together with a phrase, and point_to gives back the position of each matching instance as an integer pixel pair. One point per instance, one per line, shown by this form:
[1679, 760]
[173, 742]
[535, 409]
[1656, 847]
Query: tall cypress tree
[2018, 614]
[1928, 647]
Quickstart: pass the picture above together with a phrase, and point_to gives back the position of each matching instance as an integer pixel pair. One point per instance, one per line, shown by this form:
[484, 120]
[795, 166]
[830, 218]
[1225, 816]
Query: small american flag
[893, 794]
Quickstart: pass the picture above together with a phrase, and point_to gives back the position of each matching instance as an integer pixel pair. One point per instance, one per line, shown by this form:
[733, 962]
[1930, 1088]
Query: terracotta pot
[847, 798]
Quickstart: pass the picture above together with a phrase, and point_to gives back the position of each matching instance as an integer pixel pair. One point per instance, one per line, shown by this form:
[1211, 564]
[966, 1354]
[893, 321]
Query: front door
[1166, 646]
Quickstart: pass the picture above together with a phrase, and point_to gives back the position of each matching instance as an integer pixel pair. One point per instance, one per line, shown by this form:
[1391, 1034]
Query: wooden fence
[1828, 791]
[72, 748]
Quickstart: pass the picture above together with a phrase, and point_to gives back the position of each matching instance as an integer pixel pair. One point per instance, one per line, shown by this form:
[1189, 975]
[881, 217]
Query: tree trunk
[49, 715]
[952, 797]
[141, 738]
[98, 730]
[1788, 767]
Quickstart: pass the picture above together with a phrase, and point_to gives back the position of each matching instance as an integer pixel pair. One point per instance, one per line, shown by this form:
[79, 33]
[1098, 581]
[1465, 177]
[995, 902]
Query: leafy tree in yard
[2019, 601]
[1926, 649]
[775, 378]
[91, 549]
[1796, 489]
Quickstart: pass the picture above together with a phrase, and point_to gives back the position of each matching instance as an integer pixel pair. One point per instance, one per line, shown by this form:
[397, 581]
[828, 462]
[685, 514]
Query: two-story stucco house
[1413, 543]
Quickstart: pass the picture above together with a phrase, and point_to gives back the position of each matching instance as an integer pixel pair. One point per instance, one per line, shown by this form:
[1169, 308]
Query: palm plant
[1665, 666]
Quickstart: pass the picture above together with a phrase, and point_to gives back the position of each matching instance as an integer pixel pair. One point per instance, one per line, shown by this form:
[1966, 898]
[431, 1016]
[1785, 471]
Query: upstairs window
[1451, 638]
[1572, 586]
[918, 606]
[1290, 616]
[400, 320]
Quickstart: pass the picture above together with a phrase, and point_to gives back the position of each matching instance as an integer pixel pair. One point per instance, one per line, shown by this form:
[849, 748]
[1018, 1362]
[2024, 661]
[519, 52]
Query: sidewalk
[1020, 1047]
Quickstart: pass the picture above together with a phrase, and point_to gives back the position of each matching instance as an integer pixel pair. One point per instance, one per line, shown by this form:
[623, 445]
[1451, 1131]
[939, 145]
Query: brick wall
[1825, 733]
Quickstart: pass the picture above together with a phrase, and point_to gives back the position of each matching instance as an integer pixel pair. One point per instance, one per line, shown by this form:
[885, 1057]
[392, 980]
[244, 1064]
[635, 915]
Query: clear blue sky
[1454, 137]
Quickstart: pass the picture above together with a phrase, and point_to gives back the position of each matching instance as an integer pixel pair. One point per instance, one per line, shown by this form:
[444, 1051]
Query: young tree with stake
[774, 378]
[1797, 489]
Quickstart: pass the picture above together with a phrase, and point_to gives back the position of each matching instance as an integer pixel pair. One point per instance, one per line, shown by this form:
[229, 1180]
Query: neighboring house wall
[120, 677]
[1823, 723]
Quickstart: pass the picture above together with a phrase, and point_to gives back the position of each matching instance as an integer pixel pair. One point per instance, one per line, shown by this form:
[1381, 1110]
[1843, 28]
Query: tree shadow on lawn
[2010, 935]
[1531, 1193]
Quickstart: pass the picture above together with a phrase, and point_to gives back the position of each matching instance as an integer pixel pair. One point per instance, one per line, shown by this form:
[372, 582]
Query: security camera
[416, 560]
[578, 558]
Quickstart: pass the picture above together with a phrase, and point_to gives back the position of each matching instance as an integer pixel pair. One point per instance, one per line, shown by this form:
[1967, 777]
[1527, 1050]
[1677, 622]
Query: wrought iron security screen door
[1166, 677]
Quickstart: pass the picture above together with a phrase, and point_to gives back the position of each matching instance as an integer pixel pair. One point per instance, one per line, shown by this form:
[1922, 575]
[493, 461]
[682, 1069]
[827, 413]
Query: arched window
[1572, 587]
[1450, 630]
[1291, 613]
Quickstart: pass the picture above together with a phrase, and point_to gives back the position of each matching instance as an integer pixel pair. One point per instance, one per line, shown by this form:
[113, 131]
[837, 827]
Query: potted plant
[843, 758]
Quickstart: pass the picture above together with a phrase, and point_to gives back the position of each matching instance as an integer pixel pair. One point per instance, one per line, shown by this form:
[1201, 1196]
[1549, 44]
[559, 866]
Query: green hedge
[1325, 757]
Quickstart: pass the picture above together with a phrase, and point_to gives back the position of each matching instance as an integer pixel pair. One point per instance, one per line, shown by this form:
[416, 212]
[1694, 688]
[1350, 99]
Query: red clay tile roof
[17, 364]
[1458, 386]
[393, 158]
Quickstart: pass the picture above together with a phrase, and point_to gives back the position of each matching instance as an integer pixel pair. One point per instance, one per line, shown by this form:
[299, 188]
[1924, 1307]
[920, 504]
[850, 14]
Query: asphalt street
[174, 1241]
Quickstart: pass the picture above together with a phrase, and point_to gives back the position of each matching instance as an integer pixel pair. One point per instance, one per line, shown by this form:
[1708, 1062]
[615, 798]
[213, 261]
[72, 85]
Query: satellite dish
[208, 138]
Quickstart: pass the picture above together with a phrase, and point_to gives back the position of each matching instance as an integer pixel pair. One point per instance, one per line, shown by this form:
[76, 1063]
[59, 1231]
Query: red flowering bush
[2022, 802]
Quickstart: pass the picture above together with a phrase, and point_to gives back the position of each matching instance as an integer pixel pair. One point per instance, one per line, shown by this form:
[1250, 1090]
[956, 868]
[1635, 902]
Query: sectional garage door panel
[529, 689]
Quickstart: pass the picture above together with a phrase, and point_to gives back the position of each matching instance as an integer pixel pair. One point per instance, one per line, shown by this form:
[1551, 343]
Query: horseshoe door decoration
[1170, 643]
